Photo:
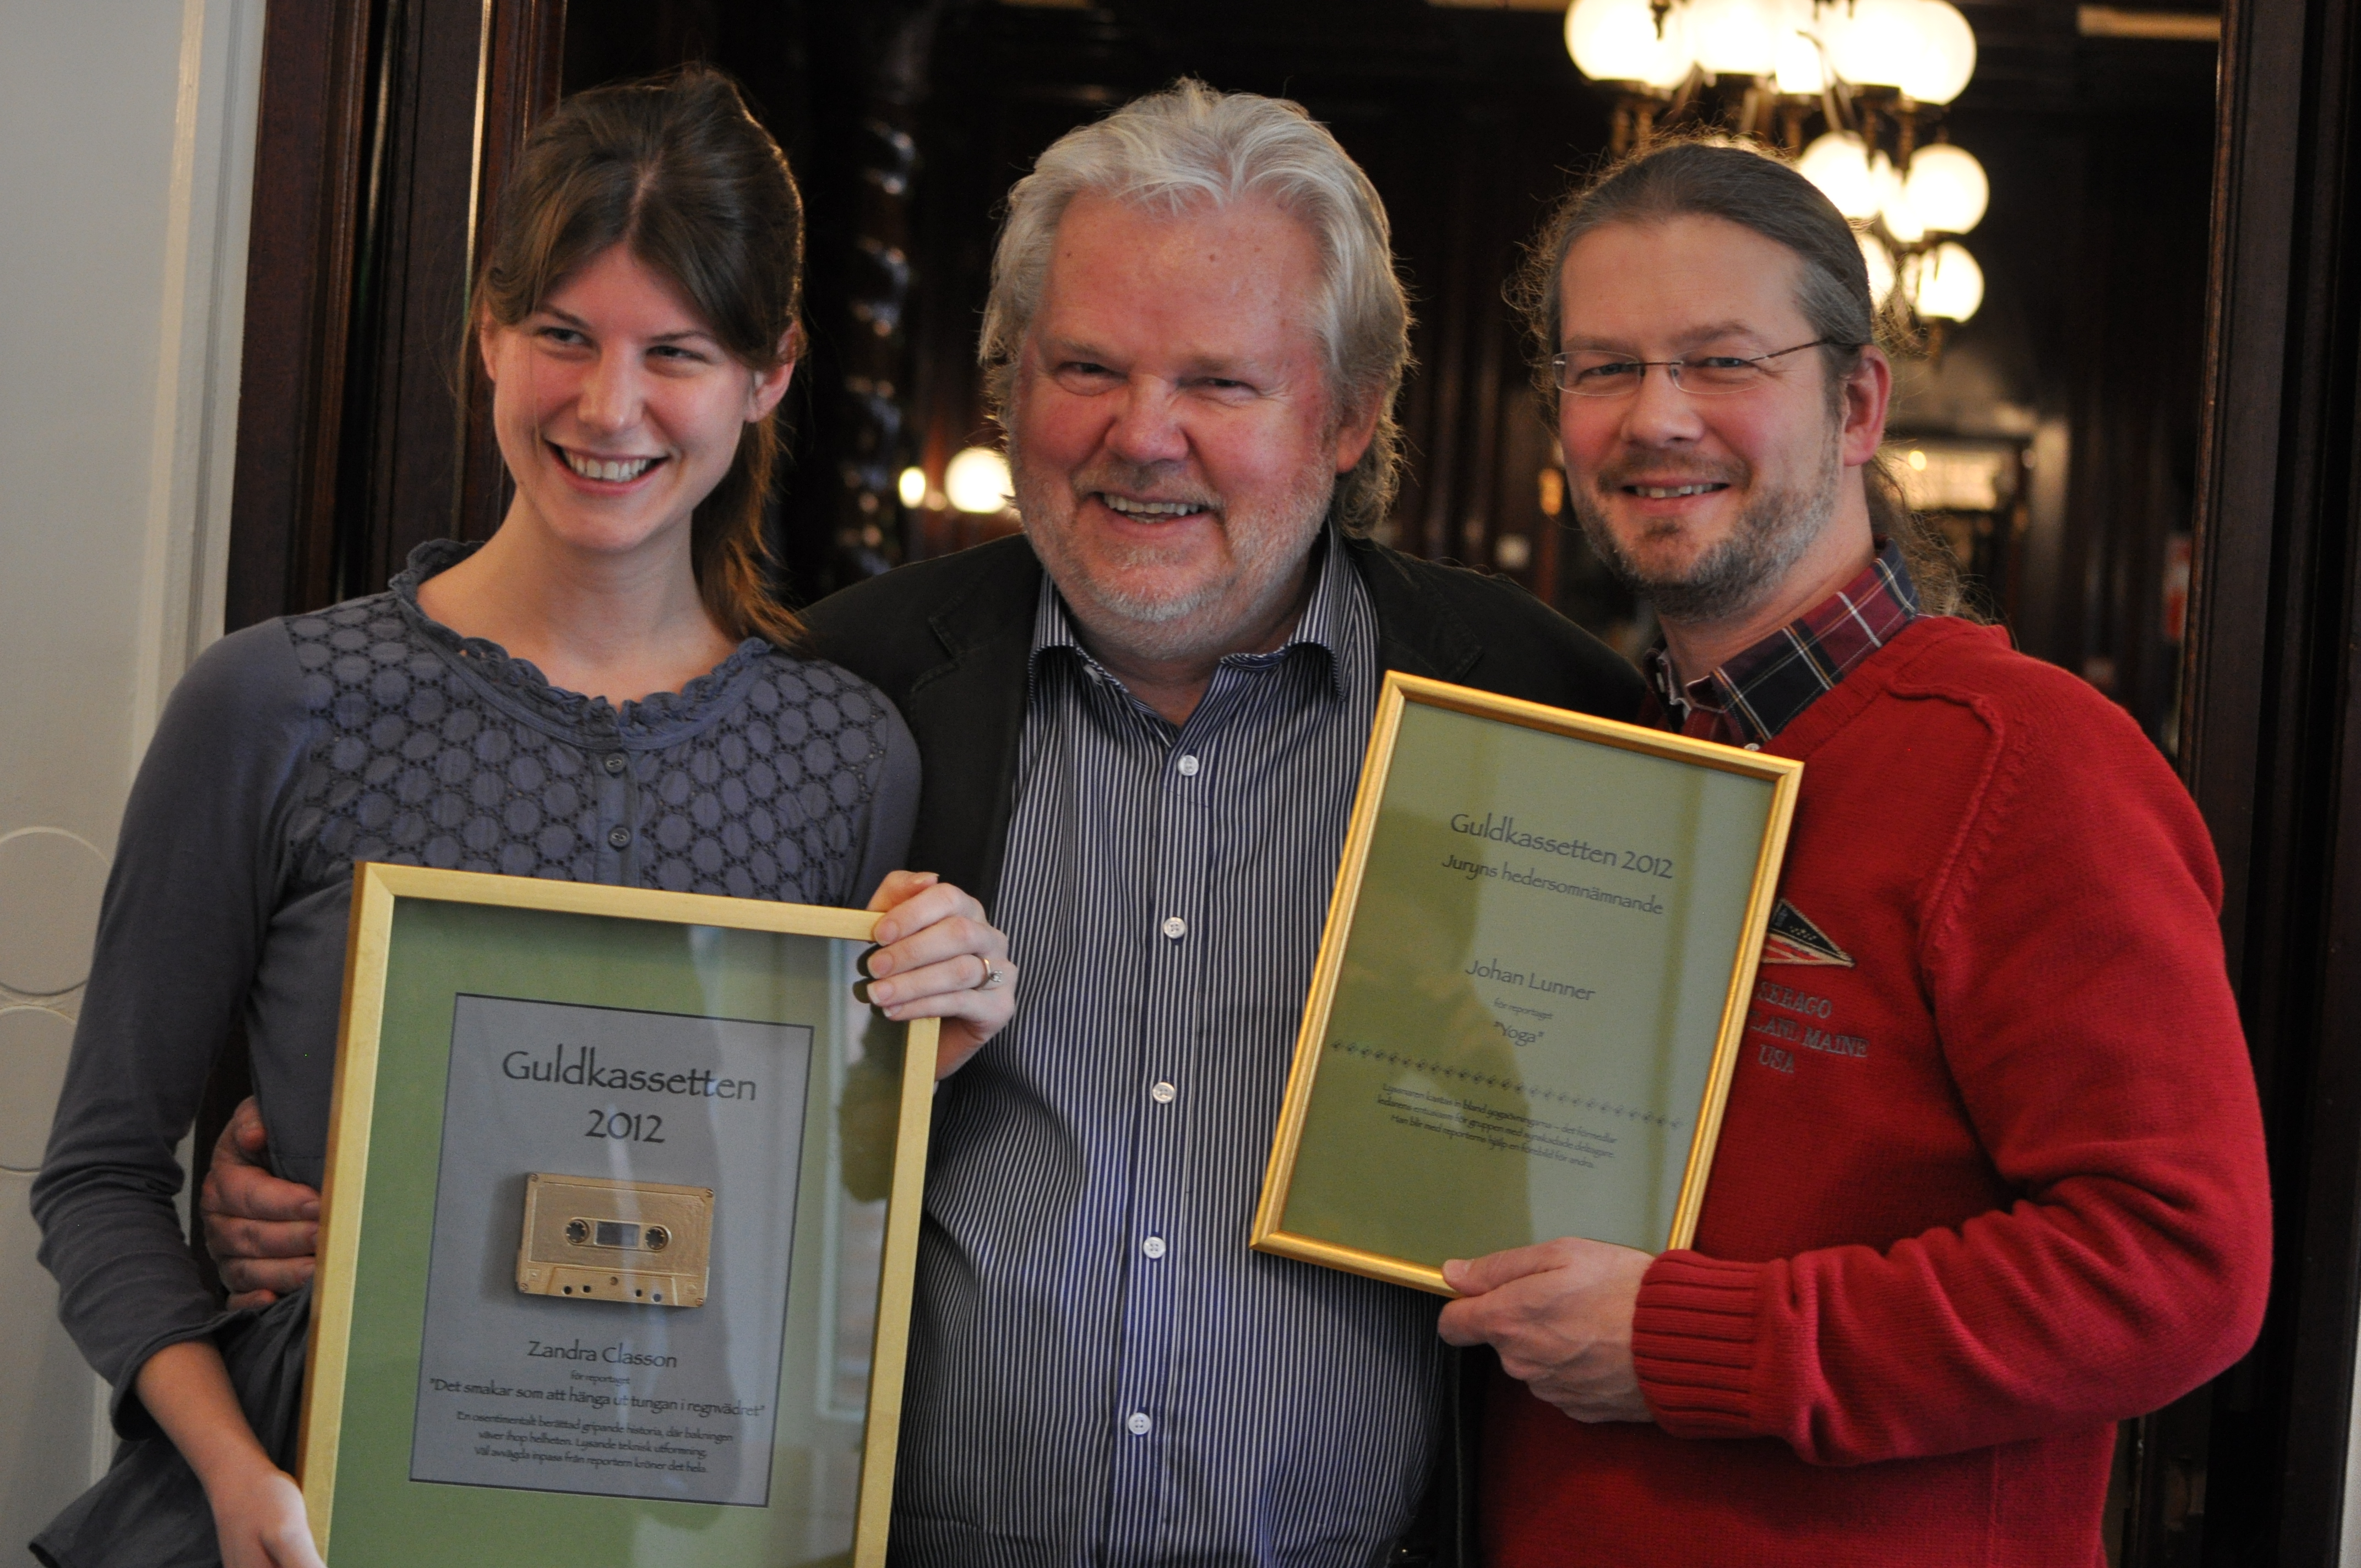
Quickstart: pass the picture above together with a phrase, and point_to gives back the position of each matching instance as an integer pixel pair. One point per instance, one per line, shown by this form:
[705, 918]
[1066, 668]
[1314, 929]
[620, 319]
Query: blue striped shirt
[1101, 1371]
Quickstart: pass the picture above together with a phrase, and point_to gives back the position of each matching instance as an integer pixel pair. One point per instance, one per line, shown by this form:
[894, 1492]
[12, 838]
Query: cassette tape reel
[644, 1243]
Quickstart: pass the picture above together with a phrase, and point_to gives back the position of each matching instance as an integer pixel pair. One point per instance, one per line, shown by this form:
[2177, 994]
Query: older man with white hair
[1142, 725]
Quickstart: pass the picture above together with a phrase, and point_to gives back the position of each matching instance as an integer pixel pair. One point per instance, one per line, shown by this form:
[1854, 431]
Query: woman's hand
[259, 1518]
[257, 1508]
[937, 957]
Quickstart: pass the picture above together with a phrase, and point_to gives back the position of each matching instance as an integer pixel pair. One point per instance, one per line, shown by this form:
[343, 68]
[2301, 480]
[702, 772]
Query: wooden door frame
[2271, 750]
[384, 127]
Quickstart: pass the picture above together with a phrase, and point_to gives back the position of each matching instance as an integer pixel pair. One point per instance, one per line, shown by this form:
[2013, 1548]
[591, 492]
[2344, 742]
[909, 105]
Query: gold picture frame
[1459, 1135]
[581, 946]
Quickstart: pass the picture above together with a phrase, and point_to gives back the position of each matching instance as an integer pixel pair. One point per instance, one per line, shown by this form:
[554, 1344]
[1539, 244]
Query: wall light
[1628, 41]
[1946, 188]
[977, 480]
[1950, 284]
[1876, 72]
[1838, 162]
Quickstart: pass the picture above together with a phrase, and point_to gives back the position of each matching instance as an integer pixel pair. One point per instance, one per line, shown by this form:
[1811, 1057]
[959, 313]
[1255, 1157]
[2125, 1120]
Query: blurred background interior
[2053, 434]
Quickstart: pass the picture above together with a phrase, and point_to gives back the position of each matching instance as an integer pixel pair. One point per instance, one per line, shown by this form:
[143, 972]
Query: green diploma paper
[1528, 998]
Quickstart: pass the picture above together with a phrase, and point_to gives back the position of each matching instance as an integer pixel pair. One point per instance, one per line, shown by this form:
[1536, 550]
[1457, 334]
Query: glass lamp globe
[1950, 284]
[1838, 163]
[1877, 44]
[976, 480]
[1874, 257]
[1734, 38]
[1902, 220]
[1618, 40]
[1798, 65]
[1947, 56]
[1946, 188]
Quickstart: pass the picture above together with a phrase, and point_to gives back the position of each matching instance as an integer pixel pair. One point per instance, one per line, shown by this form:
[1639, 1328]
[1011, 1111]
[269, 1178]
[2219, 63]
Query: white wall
[126, 144]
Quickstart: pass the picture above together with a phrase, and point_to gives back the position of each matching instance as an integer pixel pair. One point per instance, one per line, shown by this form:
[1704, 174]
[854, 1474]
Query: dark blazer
[948, 640]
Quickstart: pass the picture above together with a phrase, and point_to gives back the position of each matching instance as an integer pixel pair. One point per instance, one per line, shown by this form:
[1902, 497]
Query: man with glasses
[1991, 1177]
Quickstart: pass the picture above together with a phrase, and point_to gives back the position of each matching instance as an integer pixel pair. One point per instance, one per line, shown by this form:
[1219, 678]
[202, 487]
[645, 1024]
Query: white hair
[1189, 147]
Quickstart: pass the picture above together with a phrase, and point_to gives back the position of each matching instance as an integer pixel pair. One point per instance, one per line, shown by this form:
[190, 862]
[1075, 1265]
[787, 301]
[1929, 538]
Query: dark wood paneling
[824, 79]
[307, 166]
[386, 125]
[308, 137]
[2270, 734]
[458, 82]
[2128, 349]
[521, 84]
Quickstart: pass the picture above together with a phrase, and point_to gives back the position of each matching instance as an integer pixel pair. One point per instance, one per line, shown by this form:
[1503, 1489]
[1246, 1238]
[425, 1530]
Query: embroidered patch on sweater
[1795, 940]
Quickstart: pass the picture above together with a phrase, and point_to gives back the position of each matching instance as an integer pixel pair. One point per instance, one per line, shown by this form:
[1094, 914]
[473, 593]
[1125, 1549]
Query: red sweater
[1980, 1195]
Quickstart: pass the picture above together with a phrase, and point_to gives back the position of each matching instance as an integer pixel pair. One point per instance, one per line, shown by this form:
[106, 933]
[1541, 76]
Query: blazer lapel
[968, 716]
[1417, 633]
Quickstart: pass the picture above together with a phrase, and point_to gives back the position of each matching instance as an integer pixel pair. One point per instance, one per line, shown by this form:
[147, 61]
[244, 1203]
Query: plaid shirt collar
[1766, 687]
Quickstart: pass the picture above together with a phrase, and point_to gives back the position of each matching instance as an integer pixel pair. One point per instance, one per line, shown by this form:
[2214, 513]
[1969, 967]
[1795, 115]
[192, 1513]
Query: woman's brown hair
[676, 168]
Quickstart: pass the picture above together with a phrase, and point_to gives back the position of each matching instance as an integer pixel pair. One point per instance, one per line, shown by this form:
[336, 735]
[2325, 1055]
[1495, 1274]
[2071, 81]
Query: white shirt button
[1162, 1093]
[1137, 1423]
[1188, 766]
[1153, 1247]
[1175, 928]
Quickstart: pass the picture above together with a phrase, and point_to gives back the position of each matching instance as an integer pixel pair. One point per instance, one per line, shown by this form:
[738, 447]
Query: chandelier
[1874, 75]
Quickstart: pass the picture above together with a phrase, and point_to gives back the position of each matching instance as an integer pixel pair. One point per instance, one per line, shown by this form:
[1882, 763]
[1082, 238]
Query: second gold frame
[1548, 999]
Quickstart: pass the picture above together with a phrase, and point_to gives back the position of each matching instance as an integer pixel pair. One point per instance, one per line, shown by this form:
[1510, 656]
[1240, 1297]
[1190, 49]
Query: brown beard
[1732, 576]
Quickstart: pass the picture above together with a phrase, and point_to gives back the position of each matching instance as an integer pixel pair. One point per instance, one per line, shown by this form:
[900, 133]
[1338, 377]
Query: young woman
[604, 691]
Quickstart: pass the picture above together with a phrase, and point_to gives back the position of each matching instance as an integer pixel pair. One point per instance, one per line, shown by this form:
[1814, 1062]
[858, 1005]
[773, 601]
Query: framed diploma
[1529, 993]
[621, 1213]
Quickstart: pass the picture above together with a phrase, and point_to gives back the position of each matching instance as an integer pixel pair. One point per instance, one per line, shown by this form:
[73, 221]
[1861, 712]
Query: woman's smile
[609, 473]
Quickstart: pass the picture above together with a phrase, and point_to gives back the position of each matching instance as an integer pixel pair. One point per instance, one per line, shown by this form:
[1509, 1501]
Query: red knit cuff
[1693, 1337]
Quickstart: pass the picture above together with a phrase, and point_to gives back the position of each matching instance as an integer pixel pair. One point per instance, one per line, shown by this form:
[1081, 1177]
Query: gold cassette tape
[640, 1242]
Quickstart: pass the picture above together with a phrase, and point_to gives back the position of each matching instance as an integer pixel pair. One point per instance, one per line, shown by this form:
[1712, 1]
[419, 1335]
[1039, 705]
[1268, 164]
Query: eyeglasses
[1598, 373]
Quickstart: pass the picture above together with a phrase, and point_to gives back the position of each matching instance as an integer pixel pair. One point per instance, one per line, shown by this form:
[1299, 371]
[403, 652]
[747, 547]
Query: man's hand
[262, 1232]
[945, 961]
[1560, 1315]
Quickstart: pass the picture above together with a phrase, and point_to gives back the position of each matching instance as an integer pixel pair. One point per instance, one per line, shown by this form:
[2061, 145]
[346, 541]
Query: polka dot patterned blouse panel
[754, 781]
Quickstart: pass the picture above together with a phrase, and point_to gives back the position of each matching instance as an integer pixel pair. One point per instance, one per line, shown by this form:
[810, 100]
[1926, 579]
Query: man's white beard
[1113, 593]
[1734, 577]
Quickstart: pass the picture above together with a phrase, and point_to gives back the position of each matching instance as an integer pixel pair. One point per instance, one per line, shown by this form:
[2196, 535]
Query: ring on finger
[994, 977]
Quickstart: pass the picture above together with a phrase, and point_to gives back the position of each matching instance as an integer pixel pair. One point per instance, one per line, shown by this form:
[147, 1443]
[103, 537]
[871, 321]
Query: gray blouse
[369, 732]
